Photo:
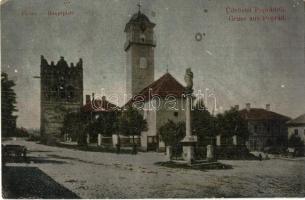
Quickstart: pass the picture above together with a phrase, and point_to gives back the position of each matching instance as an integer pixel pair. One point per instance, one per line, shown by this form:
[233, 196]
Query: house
[266, 128]
[297, 127]
[159, 102]
[96, 108]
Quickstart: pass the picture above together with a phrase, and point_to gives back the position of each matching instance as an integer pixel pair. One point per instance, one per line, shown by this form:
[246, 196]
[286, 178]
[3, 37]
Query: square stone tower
[61, 93]
[139, 49]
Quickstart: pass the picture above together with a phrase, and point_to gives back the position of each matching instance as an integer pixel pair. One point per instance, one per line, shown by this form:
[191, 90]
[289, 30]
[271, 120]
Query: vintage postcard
[152, 99]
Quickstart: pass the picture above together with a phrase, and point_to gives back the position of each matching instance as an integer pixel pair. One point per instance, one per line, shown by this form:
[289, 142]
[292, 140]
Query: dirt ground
[66, 173]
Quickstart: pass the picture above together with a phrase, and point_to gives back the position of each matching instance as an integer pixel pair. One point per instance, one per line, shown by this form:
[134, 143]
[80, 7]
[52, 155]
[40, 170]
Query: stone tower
[139, 49]
[61, 93]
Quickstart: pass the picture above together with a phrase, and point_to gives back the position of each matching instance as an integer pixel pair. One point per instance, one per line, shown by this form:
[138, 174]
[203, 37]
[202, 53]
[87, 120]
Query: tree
[231, 123]
[203, 123]
[171, 134]
[104, 124]
[8, 106]
[296, 142]
[131, 123]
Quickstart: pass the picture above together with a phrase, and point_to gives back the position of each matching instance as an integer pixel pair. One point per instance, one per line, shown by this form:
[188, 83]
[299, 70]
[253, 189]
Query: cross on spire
[139, 5]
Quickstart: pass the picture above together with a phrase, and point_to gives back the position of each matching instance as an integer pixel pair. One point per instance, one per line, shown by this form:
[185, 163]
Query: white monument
[189, 140]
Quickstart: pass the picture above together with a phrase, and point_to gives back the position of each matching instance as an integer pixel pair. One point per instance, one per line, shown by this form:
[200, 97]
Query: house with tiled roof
[159, 102]
[98, 105]
[95, 109]
[297, 127]
[266, 128]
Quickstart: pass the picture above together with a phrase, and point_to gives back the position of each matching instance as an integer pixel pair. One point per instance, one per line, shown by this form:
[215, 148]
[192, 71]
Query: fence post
[168, 152]
[218, 140]
[210, 153]
[234, 140]
[114, 140]
[99, 139]
[88, 139]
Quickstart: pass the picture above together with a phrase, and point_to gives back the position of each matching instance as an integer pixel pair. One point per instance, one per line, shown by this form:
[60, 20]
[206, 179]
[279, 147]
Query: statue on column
[188, 78]
[189, 140]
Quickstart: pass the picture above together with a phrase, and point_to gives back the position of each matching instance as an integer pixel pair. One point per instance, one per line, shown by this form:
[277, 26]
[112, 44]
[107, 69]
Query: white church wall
[150, 117]
[167, 113]
[158, 116]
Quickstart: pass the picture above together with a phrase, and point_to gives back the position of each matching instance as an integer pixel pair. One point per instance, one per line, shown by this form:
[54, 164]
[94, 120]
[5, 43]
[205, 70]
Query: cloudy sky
[258, 62]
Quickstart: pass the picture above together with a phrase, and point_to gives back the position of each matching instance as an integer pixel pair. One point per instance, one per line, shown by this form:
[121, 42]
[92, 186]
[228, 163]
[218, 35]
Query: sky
[257, 62]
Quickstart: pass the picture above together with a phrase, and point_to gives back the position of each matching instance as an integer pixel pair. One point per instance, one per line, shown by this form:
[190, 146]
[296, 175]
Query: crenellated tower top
[61, 64]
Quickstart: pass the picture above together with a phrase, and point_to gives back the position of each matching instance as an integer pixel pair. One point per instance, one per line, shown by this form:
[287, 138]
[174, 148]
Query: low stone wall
[234, 152]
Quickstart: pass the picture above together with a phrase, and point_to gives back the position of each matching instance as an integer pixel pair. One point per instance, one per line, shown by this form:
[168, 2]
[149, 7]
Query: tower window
[62, 91]
[143, 63]
[70, 92]
[176, 114]
[142, 37]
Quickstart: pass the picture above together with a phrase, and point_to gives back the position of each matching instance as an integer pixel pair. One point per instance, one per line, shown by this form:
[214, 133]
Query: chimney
[248, 106]
[268, 108]
[88, 99]
[236, 107]
[103, 98]
[92, 96]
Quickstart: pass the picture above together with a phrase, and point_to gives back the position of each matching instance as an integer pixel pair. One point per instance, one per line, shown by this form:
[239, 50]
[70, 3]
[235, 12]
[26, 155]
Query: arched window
[142, 37]
[143, 63]
[70, 92]
[62, 93]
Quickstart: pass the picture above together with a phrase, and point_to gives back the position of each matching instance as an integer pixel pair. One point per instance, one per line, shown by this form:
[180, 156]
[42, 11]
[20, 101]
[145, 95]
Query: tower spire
[139, 5]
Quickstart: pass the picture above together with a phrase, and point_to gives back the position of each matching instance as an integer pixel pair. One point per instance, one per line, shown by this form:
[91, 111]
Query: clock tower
[139, 48]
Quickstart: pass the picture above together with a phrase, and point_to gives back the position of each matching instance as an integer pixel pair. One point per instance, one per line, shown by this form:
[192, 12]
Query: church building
[162, 98]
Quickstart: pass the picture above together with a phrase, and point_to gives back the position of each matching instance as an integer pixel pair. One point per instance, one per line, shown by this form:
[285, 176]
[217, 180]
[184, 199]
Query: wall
[301, 131]
[264, 132]
[156, 118]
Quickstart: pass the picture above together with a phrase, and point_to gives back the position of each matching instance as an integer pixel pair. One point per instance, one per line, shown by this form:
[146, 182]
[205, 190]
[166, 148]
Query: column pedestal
[188, 148]
[188, 154]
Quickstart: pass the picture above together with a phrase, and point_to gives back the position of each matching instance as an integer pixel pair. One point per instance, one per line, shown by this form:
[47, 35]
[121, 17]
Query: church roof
[262, 114]
[297, 121]
[166, 85]
[138, 17]
[99, 105]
